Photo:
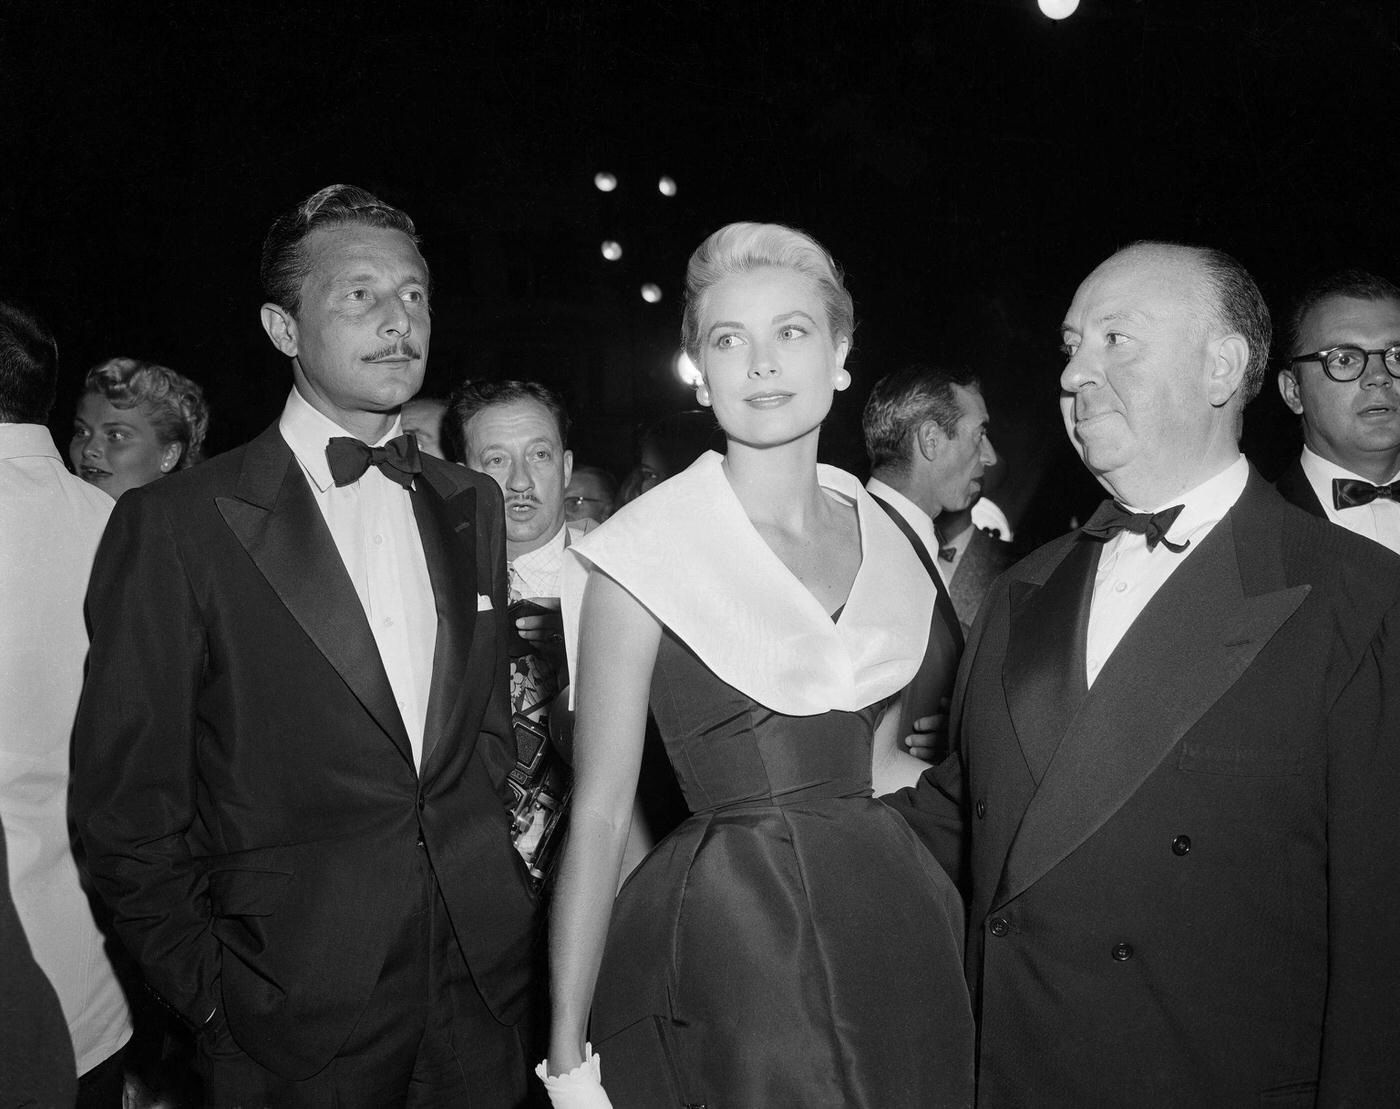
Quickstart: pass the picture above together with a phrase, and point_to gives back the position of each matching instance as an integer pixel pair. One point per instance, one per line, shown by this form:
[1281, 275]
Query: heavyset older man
[1341, 377]
[1176, 750]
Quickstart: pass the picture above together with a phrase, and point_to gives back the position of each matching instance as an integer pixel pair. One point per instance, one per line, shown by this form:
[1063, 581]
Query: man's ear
[929, 436]
[1227, 362]
[568, 468]
[281, 328]
[1289, 391]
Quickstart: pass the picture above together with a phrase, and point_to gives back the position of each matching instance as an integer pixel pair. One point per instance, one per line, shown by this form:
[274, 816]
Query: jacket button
[999, 926]
[981, 809]
[1181, 845]
[1123, 952]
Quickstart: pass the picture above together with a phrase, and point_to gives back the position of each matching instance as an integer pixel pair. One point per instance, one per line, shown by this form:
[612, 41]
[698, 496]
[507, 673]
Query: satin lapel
[1043, 673]
[942, 604]
[274, 516]
[1294, 485]
[447, 525]
[1191, 644]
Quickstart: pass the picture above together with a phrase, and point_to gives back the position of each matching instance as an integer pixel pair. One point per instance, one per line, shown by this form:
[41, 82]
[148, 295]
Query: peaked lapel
[274, 516]
[446, 518]
[1191, 643]
[1044, 671]
[1295, 487]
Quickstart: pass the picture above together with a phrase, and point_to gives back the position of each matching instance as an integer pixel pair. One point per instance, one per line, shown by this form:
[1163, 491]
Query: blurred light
[667, 186]
[688, 371]
[1055, 9]
[606, 182]
[612, 250]
[651, 293]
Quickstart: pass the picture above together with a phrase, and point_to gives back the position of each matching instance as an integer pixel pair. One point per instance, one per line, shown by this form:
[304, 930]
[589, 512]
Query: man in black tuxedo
[294, 736]
[925, 432]
[1342, 379]
[1177, 758]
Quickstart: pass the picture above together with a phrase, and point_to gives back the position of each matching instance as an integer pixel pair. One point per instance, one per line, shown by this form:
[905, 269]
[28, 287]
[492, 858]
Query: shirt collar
[1208, 502]
[913, 515]
[545, 555]
[307, 431]
[27, 441]
[1320, 471]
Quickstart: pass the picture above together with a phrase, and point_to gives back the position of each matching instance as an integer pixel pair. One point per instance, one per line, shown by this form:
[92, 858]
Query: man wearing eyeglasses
[1343, 379]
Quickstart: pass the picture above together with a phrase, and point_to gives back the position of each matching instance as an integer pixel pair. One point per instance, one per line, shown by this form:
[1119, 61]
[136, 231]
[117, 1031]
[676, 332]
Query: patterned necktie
[350, 458]
[1112, 518]
[1353, 493]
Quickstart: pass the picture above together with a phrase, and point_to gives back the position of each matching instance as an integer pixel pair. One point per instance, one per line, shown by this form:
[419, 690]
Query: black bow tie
[1112, 517]
[350, 458]
[1350, 492]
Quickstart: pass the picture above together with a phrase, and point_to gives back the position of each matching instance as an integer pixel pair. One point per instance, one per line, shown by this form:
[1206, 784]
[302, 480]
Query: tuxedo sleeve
[134, 781]
[1361, 1028]
[497, 740]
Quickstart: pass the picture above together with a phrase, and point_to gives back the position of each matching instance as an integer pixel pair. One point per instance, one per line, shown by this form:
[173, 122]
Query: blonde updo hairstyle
[743, 247]
[173, 403]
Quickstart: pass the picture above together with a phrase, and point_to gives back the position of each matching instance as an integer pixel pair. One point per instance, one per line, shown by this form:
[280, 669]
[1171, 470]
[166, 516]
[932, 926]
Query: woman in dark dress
[791, 943]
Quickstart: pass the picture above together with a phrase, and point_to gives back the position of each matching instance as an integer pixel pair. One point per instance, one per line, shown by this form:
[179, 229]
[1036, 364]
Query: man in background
[926, 436]
[50, 525]
[1341, 380]
[590, 495]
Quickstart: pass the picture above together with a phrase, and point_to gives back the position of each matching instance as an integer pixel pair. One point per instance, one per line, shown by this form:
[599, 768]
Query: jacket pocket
[1244, 762]
[644, 1074]
[1291, 1095]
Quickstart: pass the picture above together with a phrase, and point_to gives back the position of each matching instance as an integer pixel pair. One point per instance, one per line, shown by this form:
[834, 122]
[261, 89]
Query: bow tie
[947, 554]
[1353, 493]
[1112, 517]
[350, 458]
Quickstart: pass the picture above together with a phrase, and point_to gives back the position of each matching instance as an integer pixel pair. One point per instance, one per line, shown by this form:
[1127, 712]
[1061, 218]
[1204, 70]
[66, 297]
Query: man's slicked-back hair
[28, 366]
[1235, 301]
[1354, 283]
[902, 401]
[470, 397]
[742, 247]
[284, 261]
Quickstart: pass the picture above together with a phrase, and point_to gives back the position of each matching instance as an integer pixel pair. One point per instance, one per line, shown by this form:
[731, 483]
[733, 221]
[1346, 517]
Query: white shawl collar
[687, 551]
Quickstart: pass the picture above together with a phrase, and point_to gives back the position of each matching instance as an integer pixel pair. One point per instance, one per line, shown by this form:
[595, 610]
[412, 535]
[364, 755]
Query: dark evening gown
[791, 943]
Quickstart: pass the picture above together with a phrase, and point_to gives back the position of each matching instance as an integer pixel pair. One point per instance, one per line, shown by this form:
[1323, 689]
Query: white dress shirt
[1129, 575]
[372, 523]
[1379, 520]
[917, 519]
[50, 523]
[536, 573]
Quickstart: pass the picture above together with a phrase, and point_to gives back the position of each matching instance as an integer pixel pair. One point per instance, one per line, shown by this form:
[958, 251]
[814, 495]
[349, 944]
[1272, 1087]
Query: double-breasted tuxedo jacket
[244, 784]
[1184, 883]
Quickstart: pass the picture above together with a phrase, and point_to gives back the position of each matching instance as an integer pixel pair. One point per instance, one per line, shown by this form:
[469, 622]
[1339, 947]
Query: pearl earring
[702, 396]
[842, 380]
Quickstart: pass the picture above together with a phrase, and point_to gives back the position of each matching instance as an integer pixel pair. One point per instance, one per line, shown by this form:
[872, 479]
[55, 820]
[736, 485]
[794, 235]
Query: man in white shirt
[1175, 765]
[516, 432]
[925, 433]
[1343, 380]
[50, 524]
[293, 741]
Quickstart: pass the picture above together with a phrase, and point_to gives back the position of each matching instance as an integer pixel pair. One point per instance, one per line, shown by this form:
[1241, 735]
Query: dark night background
[967, 161]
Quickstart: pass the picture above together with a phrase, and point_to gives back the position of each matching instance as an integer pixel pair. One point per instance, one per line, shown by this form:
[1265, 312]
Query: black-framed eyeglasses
[579, 502]
[1347, 363]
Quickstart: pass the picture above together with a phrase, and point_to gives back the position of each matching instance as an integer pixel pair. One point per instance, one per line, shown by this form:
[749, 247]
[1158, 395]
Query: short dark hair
[28, 366]
[284, 263]
[903, 400]
[1355, 283]
[173, 403]
[1237, 303]
[605, 477]
[470, 397]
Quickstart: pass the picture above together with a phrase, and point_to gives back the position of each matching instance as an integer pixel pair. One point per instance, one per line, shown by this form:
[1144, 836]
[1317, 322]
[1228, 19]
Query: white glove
[580, 1088]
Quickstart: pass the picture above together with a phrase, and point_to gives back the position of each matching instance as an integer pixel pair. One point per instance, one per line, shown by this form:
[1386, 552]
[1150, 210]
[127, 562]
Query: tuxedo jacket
[244, 784]
[1183, 882]
[983, 561]
[1294, 486]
